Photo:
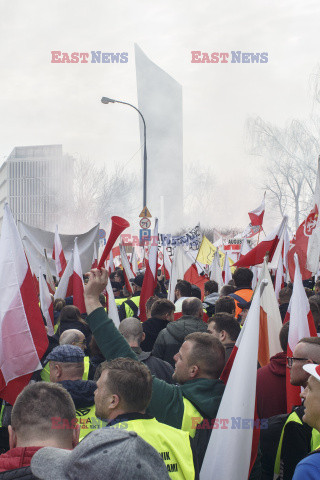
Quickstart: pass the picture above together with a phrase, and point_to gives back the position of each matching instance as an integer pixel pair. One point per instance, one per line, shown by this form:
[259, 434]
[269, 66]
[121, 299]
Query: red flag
[268, 245]
[128, 273]
[256, 215]
[78, 298]
[301, 325]
[150, 276]
[58, 254]
[23, 339]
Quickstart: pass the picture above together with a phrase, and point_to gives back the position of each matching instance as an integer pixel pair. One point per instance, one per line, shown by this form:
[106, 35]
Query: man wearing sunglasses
[297, 438]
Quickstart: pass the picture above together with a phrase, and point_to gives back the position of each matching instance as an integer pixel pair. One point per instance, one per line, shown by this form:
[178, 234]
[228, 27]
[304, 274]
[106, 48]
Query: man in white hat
[309, 467]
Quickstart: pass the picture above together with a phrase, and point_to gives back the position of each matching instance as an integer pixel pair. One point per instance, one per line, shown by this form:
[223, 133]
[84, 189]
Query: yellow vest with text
[45, 374]
[314, 443]
[172, 444]
[88, 421]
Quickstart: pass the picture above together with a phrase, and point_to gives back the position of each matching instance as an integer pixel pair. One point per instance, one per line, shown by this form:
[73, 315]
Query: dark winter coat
[152, 327]
[158, 368]
[171, 338]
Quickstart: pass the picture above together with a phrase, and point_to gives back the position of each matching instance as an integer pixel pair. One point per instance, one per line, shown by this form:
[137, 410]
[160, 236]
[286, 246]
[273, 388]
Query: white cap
[313, 369]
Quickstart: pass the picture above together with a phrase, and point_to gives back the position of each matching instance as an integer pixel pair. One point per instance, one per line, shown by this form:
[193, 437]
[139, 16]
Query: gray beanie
[106, 454]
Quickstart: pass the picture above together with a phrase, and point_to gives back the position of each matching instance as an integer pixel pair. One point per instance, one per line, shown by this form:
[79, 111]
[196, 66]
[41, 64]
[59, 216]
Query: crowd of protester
[132, 402]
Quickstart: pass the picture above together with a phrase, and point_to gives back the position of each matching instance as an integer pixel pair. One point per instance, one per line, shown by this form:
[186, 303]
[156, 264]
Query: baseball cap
[138, 280]
[109, 453]
[313, 369]
[66, 354]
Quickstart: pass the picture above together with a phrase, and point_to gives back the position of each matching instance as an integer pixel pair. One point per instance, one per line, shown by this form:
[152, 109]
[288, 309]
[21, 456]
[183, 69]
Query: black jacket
[158, 368]
[171, 338]
[23, 473]
[81, 391]
[152, 327]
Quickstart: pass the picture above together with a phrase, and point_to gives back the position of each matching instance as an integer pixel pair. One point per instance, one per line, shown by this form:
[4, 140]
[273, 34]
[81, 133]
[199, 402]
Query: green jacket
[167, 403]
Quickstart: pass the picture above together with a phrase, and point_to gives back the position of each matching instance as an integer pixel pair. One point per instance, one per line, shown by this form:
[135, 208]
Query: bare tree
[290, 155]
[100, 193]
[198, 194]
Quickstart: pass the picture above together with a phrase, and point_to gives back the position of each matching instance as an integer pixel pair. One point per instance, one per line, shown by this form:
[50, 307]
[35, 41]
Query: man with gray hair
[172, 337]
[131, 329]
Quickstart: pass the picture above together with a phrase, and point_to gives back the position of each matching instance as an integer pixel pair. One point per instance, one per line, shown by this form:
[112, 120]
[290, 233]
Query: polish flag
[245, 247]
[167, 263]
[256, 215]
[237, 405]
[49, 277]
[268, 245]
[128, 273]
[150, 276]
[270, 320]
[180, 265]
[256, 271]
[58, 255]
[134, 262]
[215, 272]
[110, 263]
[112, 306]
[65, 287]
[306, 241]
[226, 271]
[23, 337]
[301, 325]
[78, 298]
[279, 283]
[46, 303]
[95, 256]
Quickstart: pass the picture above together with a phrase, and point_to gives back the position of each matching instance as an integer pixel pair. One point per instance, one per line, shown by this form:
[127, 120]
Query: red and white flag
[150, 276]
[46, 303]
[167, 263]
[110, 263]
[279, 283]
[215, 269]
[78, 287]
[245, 247]
[301, 325]
[306, 241]
[113, 312]
[134, 262]
[49, 277]
[58, 255]
[256, 215]
[226, 271]
[267, 245]
[237, 409]
[128, 273]
[23, 337]
[270, 320]
[65, 287]
[180, 266]
[95, 256]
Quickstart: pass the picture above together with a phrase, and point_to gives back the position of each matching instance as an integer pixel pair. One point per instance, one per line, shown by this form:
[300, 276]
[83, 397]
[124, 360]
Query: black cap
[138, 280]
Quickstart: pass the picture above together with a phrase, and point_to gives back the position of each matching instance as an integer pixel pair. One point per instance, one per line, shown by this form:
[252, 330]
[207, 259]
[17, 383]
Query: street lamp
[107, 100]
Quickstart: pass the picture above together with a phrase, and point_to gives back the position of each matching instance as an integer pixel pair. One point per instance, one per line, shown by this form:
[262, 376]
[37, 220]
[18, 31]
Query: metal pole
[106, 100]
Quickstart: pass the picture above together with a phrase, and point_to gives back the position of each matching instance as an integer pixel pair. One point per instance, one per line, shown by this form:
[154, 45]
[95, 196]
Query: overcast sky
[46, 103]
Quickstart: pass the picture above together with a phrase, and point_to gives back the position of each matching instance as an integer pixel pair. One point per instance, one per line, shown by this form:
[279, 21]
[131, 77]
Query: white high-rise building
[36, 181]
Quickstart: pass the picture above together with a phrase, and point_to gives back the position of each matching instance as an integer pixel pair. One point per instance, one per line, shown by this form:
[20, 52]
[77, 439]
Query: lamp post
[107, 100]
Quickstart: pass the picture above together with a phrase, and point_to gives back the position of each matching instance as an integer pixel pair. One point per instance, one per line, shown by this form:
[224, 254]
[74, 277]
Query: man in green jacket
[199, 364]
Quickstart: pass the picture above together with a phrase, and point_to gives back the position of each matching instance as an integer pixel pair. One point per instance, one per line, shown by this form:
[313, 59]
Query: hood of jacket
[17, 457]
[81, 391]
[205, 394]
[210, 299]
[278, 364]
[185, 325]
